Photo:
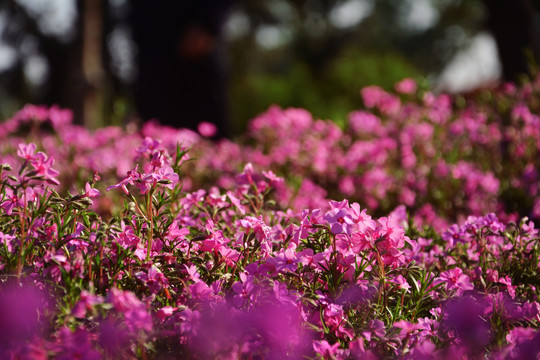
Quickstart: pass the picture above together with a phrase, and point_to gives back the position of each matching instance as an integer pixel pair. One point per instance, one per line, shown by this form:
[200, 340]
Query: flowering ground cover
[407, 233]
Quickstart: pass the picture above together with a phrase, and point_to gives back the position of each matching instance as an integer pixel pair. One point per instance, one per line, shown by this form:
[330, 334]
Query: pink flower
[8, 241]
[236, 202]
[454, 279]
[274, 180]
[340, 221]
[229, 256]
[334, 316]
[60, 117]
[137, 319]
[76, 345]
[362, 122]
[453, 235]
[326, 350]
[154, 279]
[43, 167]
[164, 175]
[207, 129]
[132, 176]
[246, 177]
[284, 261]
[90, 192]
[56, 263]
[26, 151]
[402, 283]
[165, 312]
[215, 241]
[372, 95]
[261, 230]
[11, 202]
[406, 327]
[508, 282]
[244, 291]
[464, 316]
[149, 146]
[22, 309]
[123, 301]
[406, 86]
[86, 303]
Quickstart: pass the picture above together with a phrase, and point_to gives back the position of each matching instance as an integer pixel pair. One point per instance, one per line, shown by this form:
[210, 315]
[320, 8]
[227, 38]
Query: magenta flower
[375, 328]
[246, 177]
[261, 230]
[372, 95]
[406, 86]
[165, 312]
[8, 240]
[11, 201]
[26, 152]
[207, 129]
[340, 221]
[326, 350]
[136, 317]
[287, 259]
[508, 282]
[464, 316]
[425, 350]
[306, 225]
[154, 279]
[90, 192]
[192, 273]
[32, 112]
[164, 175]
[149, 146]
[406, 327]
[76, 345]
[158, 160]
[22, 309]
[334, 316]
[60, 117]
[213, 242]
[113, 337]
[132, 176]
[236, 202]
[244, 291]
[43, 167]
[138, 321]
[123, 301]
[454, 234]
[402, 283]
[363, 122]
[86, 303]
[229, 256]
[522, 343]
[273, 178]
[56, 262]
[455, 279]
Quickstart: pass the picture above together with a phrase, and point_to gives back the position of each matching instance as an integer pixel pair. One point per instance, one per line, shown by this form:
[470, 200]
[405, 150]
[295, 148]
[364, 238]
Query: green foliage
[329, 93]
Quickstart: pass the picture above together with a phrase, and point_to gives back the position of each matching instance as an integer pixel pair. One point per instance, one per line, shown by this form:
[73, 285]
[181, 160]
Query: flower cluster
[443, 157]
[218, 258]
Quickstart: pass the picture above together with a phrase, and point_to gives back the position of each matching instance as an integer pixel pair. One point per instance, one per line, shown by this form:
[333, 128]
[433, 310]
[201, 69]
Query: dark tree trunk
[181, 72]
[514, 25]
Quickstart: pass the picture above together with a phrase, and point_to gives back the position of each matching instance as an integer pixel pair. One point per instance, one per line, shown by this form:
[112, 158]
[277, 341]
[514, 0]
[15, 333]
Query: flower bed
[162, 244]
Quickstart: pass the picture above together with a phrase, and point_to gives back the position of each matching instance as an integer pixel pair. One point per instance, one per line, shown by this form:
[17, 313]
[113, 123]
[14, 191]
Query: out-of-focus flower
[207, 129]
[406, 86]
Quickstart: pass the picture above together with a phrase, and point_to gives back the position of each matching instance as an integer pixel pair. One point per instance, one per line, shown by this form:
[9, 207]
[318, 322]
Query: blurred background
[225, 61]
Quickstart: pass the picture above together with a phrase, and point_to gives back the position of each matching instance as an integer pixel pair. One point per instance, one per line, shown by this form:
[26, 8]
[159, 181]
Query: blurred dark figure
[516, 28]
[181, 70]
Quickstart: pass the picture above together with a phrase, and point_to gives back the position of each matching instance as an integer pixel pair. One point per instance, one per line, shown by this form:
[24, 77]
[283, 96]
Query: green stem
[22, 219]
[150, 219]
